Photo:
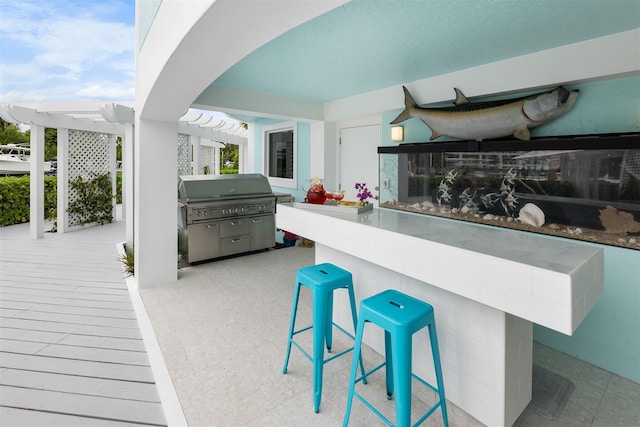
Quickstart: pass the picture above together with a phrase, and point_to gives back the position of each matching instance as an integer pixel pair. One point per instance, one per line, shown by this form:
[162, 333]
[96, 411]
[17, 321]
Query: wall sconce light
[397, 133]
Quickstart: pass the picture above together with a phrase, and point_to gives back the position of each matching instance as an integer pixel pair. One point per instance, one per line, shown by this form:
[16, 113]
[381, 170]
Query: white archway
[173, 67]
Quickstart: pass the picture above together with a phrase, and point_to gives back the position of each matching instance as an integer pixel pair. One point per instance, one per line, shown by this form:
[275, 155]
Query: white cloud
[66, 50]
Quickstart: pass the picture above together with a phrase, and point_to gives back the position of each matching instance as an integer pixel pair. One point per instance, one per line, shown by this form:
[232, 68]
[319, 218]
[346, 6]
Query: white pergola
[114, 119]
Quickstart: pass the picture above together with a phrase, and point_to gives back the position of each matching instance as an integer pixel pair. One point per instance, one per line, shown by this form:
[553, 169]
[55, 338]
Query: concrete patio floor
[222, 331]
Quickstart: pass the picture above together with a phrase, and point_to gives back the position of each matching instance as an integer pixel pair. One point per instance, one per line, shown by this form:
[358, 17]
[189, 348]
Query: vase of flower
[363, 193]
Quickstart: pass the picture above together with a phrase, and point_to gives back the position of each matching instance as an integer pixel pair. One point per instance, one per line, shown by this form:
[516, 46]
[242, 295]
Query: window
[280, 155]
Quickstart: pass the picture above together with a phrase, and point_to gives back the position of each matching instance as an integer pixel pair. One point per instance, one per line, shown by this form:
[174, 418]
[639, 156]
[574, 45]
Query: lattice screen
[89, 155]
[184, 155]
[207, 158]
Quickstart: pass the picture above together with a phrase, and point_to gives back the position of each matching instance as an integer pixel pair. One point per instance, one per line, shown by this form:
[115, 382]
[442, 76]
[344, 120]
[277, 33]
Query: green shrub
[15, 202]
[50, 198]
[119, 187]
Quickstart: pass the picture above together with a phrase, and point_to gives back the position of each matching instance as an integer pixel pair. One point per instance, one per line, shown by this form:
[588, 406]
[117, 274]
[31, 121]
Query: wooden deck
[71, 351]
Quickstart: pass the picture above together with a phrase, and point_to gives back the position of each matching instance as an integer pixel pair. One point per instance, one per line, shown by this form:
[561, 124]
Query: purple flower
[363, 191]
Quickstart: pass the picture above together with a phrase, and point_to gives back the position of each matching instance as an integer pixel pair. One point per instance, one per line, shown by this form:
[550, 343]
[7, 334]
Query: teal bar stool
[322, 280]
[400, 316]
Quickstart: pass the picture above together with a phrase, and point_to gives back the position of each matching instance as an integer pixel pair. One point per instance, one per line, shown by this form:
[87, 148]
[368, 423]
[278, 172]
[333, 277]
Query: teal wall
[609, 337]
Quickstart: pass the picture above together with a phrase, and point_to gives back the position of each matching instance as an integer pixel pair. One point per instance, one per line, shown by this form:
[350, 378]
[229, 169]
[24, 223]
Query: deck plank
[96, 354]
[14, 417]
[34, 336]
[80, 385]
[76, 367]
[20, 279]
[75, 295]
[9, 312]
[71, 318]
[66, 301]
[64, 309]
[69, 328]
[88, 406]
[24, 347]
[103, 342]
[38, 285]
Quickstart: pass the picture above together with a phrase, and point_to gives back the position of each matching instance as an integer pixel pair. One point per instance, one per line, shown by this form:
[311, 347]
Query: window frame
[276, 181]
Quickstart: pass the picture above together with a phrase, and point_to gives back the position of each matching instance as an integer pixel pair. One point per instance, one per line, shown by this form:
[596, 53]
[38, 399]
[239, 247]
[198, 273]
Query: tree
[11, 134]
[229, 153]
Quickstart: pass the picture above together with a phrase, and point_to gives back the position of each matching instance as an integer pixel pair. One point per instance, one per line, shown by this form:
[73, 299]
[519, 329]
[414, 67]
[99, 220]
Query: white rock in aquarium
[489, 217]
[579, 231]
[465, 209]
[427, 204]
[532, 215]
[632, 241]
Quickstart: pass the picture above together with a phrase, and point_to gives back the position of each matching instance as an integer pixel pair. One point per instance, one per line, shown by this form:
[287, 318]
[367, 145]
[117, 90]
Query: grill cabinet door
[263, 232]
[204, 241]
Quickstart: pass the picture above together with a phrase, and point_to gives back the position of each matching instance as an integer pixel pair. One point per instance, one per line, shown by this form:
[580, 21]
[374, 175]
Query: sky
[67, 50]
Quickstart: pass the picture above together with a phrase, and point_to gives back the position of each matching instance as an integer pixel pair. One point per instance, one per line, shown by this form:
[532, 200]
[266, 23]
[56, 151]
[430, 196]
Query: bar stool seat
[322, 280]
[400, 316]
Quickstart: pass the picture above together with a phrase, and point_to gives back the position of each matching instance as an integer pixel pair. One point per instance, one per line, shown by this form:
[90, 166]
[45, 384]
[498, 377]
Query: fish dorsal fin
[460, 98]
[522, 133]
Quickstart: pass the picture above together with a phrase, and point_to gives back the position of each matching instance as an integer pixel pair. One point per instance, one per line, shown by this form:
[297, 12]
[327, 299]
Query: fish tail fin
[409, 105]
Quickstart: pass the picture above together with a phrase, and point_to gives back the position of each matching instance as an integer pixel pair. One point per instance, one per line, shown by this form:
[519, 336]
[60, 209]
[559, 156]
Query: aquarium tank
[581, 187]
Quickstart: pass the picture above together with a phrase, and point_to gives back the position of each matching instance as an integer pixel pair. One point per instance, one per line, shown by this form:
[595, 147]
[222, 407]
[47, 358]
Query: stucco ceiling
[368, 45]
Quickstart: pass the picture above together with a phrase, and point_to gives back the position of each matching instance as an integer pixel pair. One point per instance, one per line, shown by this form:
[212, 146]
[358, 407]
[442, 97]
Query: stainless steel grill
[221, 215]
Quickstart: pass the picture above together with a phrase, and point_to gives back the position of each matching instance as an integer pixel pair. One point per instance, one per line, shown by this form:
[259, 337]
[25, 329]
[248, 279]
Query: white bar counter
[487, 285]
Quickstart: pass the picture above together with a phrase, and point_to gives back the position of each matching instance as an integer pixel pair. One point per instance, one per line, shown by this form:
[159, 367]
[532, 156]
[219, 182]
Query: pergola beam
[19, 114]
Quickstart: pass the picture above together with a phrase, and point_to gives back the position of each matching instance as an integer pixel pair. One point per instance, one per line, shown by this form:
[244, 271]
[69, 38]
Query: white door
[359, 159]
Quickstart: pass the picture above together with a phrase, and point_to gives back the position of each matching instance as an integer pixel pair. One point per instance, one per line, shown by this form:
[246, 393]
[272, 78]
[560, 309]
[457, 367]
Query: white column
[194, 141]
[112, 171]
[128, 144]
[216, 160]
[247, 152]
[63, 180]
[36, 182]
[155, 202]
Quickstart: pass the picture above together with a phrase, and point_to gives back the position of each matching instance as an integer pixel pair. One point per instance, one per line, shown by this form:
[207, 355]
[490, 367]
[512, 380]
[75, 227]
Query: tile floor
[222, 329]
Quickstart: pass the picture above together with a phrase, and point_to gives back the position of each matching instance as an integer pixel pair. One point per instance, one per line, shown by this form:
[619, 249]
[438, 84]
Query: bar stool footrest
[299, 347]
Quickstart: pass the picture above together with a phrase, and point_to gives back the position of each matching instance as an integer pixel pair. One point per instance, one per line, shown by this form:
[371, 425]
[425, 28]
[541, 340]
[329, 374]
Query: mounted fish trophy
[492, 119]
